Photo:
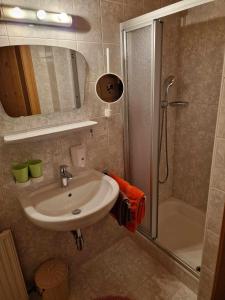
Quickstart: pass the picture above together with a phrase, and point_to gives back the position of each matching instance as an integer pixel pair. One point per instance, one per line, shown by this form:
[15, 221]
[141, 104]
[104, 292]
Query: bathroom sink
[89, 197]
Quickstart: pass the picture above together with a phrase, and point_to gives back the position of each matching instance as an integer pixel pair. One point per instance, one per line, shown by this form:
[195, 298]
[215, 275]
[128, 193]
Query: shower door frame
[155, 36]
[151, 19]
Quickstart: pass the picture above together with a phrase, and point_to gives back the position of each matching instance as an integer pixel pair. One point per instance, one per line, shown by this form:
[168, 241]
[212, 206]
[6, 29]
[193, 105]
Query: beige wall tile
[118, 1]
[222, 94]
[169, 67]
[133, 8]
[216, 196]
[53, 5]
[57, 5]
[209, 257]
[89, 11]
[215, 45]
[115, 130]
[218, 170]
[221, 121]
[168, 2]
[115, 144]
[216, 9]
[22, 30]
[93, 53]
[132, 11]
[195, 55]
[195, 129]
[215, 210]
[10, 207]
[137, 3]
[23, 3]
[112, 16]
[41, 41]
[35, 245]
[205, 284]
[150, 5]
[95, 107]
[200, 50]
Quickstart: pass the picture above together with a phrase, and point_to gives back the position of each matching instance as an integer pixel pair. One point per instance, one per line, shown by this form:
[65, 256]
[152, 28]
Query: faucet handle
[63, 168]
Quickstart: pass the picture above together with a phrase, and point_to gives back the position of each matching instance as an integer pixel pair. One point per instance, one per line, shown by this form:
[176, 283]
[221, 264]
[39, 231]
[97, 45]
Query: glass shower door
[141, 105]
[142, 56]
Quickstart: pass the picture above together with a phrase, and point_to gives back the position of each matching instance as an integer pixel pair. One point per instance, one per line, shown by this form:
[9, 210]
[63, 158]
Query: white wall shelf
[41, 132]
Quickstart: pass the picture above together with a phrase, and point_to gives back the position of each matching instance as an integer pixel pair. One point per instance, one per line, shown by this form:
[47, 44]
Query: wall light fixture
[31, 16]
[41, 14]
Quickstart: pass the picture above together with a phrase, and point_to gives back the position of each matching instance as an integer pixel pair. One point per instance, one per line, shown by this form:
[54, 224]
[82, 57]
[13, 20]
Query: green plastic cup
[35, 168]
[20, 173]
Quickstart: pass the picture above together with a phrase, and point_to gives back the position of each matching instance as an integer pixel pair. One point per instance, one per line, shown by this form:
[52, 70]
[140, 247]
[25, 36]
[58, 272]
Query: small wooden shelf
[25, 135]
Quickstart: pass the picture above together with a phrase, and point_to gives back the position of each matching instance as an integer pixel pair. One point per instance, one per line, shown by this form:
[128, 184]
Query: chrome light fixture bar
[31, 16]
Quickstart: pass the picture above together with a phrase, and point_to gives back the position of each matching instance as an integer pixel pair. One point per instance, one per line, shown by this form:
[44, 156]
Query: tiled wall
[202, 42]
[216, 203]
[193, 53]
[170, 51]
[216, 198]
[104, 147]
[199, 76]
[98, 30]
[209, 19]
[103, 17]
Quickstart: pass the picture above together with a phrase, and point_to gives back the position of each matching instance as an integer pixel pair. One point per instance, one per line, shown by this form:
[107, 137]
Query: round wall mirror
[109, 88]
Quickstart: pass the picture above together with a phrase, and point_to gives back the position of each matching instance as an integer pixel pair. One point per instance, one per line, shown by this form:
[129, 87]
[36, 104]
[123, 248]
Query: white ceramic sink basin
[88, 198]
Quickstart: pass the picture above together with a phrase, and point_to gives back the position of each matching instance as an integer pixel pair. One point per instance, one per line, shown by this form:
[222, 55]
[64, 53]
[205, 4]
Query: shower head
[168, 82]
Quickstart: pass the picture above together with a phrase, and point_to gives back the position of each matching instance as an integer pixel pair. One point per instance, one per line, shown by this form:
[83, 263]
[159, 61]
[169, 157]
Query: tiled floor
[126, 270]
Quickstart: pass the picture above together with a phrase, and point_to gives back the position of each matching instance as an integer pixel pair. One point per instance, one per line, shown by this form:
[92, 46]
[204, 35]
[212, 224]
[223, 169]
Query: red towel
[136, 199]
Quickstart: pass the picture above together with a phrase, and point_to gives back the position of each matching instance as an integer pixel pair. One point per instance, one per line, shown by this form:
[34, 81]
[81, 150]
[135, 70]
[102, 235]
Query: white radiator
[12, 286]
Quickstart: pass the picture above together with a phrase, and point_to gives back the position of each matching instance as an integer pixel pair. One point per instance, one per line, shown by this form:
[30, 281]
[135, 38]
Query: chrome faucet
[65, 175]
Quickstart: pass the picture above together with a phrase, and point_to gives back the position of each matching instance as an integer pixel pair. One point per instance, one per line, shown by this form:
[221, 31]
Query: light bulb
[63, 17]
[17, 13]
[41, 14]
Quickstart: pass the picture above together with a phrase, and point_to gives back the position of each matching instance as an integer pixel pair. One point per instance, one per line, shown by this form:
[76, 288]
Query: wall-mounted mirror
[41, 79]
[109, 88]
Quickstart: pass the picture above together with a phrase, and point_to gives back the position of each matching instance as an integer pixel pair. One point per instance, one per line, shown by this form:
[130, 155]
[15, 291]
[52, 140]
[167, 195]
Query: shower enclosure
[168, 134]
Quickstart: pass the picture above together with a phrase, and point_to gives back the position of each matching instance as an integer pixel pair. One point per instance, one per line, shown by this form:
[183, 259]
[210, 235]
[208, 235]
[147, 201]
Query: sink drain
[76, 211]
